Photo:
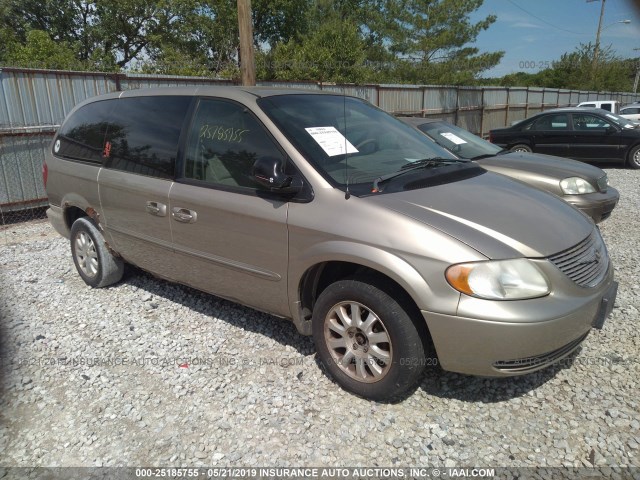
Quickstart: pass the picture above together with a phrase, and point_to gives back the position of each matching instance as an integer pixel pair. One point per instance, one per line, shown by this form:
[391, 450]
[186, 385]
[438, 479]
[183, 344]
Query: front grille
[530, 364]
[603, 183]
[586, 263]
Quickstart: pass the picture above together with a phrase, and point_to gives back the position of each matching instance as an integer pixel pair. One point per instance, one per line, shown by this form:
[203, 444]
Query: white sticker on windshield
[331, 141]
[453, 138]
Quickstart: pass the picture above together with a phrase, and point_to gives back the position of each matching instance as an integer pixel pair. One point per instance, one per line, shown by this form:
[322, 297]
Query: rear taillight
[490, 137]
[45, 172]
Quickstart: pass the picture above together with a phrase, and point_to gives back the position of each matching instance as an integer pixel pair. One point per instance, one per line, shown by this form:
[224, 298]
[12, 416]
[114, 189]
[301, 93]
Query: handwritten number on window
[222, 133]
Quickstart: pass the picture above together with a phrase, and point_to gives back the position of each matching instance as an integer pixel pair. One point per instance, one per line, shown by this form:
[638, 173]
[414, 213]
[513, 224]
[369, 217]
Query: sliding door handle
[184, 215]
[157, 209]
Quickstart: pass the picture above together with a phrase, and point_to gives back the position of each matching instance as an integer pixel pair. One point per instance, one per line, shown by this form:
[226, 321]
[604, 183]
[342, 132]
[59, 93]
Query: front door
[230, 235]
[594, 138]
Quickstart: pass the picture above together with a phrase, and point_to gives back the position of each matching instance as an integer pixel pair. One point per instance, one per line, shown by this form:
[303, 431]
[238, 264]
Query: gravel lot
[149, 373]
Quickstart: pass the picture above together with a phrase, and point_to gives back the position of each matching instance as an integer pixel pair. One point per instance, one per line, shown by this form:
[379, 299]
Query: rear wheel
[367, 340]
[521, 147]
[97, 266]
[634, 157]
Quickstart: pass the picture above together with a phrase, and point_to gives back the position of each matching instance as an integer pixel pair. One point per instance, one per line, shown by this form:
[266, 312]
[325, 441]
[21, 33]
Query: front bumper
[496, 348]
[597, 205]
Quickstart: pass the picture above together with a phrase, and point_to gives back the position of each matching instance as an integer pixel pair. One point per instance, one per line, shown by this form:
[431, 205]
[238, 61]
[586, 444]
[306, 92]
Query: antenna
[347, 194]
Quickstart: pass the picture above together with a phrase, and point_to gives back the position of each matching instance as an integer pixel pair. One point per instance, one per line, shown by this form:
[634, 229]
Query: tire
[370, 366]
[634, 157]
[521, 147]
[94, 262]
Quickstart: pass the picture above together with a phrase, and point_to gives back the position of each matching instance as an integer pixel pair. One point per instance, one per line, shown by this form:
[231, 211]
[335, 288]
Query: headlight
[499, 279]
[576, 186]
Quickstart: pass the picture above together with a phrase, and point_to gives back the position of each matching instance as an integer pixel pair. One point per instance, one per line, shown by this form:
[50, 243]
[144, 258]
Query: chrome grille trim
[530, 364]
[586, 263]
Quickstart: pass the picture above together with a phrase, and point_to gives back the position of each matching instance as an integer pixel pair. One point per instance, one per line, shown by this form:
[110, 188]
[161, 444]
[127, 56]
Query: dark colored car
[586, 134]
[583, 186]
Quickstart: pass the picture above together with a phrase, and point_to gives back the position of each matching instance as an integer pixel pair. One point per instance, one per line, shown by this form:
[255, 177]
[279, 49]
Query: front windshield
[348, 140]
[464, 144]
[618, 120]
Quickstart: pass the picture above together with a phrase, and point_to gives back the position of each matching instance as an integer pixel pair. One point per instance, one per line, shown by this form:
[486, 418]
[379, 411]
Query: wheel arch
[321, 267]
[520, 141]
[627, 157]
[71, 214]
[75, 206]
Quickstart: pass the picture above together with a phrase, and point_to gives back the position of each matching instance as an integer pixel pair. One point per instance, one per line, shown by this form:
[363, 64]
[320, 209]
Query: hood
[494, 215]
[555, 167]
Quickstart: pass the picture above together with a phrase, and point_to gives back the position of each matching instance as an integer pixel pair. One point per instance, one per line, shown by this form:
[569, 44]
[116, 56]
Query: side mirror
[269, 172]
[611, 129]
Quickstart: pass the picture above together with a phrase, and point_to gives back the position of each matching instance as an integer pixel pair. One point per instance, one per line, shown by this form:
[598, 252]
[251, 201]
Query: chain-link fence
[22, 194]
[13, 223]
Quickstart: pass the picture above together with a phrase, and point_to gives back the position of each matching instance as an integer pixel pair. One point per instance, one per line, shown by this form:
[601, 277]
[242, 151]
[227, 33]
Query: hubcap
[358, 342]
[86, 254]
[636, 157]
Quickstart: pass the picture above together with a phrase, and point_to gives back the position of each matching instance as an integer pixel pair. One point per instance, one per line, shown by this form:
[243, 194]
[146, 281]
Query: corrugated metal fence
[33, 103]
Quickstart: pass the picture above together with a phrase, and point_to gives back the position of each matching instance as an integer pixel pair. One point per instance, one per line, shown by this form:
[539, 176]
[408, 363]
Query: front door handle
[157, 209]
[184, 215]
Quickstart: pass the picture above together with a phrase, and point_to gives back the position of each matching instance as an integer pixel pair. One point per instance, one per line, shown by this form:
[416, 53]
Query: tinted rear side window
[144, 133]
[82, 135]
[558, 121]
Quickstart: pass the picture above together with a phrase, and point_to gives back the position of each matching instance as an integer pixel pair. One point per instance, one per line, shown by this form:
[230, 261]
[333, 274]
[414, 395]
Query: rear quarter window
[81, 137]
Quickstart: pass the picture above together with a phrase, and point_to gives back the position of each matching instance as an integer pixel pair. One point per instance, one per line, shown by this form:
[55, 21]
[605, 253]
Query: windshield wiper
[418, 164]
[489, 155]
[484, 155]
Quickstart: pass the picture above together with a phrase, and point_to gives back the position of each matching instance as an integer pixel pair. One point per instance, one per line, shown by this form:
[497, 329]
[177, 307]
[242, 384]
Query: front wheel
[634, 157]
[367, 340]
[521, 147]
[97, 266]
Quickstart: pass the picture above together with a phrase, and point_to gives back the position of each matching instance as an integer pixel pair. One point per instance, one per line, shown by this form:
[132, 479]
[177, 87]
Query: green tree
[63, 21]
[278, 21]
[432, 39]
[177, 35]
[335, 52]
[428, 41]
[39, 51]
[416, 41]
[575, 70]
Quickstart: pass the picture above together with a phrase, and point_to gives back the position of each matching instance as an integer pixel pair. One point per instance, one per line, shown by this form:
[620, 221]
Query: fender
[376, 259]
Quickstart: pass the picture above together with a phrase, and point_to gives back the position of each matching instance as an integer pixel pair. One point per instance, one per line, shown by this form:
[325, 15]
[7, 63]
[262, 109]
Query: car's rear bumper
[597, 205]
[56, 218]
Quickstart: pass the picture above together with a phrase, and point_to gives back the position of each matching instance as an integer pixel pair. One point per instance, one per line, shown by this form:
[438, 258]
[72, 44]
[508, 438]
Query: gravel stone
[148, 373]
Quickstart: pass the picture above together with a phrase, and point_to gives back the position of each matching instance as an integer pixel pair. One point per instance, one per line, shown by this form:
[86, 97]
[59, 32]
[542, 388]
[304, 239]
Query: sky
[533, 33]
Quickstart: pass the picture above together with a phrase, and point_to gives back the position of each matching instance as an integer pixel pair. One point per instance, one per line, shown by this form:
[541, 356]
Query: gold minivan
[325, 210]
